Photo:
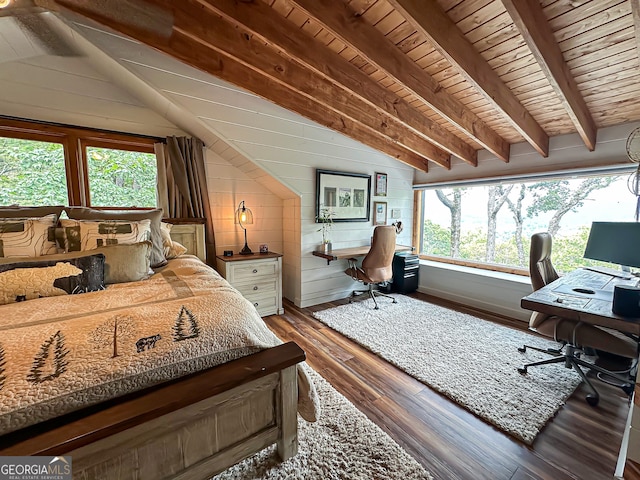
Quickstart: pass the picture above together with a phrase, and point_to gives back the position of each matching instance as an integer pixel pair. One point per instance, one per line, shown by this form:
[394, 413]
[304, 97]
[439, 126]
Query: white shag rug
[472, 361]
[343, 444]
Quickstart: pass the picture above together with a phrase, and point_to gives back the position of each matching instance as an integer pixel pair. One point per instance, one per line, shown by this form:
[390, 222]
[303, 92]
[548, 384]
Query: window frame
[74, 141]
[418, 219]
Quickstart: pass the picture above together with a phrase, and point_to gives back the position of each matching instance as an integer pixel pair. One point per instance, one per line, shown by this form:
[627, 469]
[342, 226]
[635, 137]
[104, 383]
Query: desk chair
[574, 335]
[376, 265]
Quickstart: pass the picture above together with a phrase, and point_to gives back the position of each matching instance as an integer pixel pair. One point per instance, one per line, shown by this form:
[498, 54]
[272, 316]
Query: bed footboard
[191, 428]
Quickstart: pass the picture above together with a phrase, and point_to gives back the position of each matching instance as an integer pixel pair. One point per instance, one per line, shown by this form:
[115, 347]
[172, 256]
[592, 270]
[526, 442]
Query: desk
[558, 298]
[342, 253]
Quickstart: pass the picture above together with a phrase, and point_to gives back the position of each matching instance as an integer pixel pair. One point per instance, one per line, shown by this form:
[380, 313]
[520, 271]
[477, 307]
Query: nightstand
[258, 277]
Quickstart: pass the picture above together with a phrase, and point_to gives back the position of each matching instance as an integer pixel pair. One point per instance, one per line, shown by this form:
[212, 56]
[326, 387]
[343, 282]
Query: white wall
[494, 292]
[272, 142]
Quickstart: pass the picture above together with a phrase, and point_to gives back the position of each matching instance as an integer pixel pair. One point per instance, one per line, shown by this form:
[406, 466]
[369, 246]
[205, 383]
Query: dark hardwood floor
[581, 442]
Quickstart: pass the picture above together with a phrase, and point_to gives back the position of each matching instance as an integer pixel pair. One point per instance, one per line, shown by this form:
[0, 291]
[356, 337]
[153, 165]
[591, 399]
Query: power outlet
[395, 213]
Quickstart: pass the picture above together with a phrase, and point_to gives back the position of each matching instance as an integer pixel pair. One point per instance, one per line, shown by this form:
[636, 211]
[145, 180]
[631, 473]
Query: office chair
[376, 265]
[575, 336]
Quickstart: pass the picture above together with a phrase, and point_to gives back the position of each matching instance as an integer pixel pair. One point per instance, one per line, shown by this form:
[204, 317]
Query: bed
[170, 376]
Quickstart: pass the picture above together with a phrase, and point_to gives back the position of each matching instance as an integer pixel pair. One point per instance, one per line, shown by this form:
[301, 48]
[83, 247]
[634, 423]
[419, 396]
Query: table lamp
[244, 216]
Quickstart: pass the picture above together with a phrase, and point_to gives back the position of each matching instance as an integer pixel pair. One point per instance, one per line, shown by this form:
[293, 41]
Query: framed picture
[379, 213]
[381, 185]
[345, 196]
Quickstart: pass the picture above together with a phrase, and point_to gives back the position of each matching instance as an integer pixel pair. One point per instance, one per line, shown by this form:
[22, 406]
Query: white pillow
[27, 237]
[172, 249]
[81, 235]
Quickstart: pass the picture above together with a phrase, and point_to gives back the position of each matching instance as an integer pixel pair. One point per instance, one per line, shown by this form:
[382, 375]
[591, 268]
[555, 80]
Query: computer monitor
[614, 242]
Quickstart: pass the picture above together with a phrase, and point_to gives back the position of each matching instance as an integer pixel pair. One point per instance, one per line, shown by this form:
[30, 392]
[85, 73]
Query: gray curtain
[182, 184]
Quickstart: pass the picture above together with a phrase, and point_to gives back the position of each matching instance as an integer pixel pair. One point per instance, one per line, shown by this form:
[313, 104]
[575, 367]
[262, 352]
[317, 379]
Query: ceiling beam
[187, 45]
[264, 21]
[216, 33]
[428, 18]
[374, 48]
[536, 31]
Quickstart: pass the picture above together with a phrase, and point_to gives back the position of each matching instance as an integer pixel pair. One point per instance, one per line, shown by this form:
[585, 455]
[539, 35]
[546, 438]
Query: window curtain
[182, 184]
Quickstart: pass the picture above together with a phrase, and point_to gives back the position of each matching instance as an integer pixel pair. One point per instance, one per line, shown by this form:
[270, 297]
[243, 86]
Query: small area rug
[470, 360]
[343, 444]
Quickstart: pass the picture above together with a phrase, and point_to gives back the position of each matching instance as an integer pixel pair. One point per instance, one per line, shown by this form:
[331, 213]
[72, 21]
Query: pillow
[81, 235]
[126, 263]
[155, 216]
[27, 237]
[15, 211]
[172, 249]
[48, 277]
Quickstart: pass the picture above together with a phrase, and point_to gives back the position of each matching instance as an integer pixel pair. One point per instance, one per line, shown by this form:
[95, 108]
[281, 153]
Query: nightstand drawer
[248, 270]
[261, 287]
[265, 305]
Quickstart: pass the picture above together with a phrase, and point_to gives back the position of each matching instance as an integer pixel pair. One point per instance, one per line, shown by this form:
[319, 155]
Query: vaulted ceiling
[420, 80]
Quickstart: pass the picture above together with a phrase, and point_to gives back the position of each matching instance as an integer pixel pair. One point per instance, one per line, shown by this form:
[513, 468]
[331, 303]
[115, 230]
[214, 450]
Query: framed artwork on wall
[379, 213]
[342, 195]
[381, 185]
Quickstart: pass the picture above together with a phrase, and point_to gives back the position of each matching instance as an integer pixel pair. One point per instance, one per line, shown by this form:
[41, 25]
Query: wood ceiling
[420, 80]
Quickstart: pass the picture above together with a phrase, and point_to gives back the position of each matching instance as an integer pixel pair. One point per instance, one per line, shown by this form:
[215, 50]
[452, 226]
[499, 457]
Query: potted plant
[325, 219]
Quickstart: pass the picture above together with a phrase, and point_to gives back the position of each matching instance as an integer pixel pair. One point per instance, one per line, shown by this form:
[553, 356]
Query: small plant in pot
[325, 219]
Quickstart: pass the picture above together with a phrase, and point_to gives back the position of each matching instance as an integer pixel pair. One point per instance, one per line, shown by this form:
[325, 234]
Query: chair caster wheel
[522, 371]
[592, 400]
[628, 389]
[522, 349]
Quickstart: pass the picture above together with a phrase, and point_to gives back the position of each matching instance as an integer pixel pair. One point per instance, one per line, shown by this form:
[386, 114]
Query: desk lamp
[244, 216]
[614, 242]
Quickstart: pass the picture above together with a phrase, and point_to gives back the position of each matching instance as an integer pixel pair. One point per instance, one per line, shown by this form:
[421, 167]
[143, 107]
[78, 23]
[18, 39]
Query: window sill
[481, 272]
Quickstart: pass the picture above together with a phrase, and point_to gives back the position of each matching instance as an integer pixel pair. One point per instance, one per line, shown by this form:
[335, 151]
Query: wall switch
[395, 213]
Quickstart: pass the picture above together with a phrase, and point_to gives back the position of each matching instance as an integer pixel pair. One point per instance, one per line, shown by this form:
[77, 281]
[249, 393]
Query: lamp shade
[244, 215]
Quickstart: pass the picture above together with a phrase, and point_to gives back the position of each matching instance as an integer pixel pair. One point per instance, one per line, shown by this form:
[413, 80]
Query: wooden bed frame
[189, 428]
[183, 429]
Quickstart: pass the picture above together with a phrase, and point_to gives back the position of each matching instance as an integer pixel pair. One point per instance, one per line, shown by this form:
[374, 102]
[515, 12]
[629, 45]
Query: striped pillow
[81, 235]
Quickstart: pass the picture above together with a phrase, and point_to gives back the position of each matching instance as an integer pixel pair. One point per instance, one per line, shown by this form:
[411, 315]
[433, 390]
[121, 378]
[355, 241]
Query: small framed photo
[379, 213]
[264, 248]
[381, 185]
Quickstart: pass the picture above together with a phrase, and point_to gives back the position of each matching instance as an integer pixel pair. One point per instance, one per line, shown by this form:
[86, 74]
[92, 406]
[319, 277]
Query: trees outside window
[32, 172]
[491, 225]
[121, 178]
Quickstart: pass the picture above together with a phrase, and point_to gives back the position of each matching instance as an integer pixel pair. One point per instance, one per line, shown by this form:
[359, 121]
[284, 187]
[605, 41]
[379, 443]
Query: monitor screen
[615, 242]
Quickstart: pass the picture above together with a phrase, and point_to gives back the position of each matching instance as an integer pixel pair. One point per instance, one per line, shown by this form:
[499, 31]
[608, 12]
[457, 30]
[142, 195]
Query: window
[121, 178]
[490, 225]
[44, 164]
[32, 172]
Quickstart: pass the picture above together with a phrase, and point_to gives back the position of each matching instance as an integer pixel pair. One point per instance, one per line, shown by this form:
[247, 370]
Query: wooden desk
[559, 298]
[342, 253]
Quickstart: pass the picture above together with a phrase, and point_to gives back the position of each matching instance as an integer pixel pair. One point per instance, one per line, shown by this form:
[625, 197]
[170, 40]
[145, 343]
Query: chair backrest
[377, 263]
[540, 266]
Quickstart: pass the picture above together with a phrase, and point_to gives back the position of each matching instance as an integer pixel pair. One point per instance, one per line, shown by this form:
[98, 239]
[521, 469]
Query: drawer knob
[255, 270]
[255, 288]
